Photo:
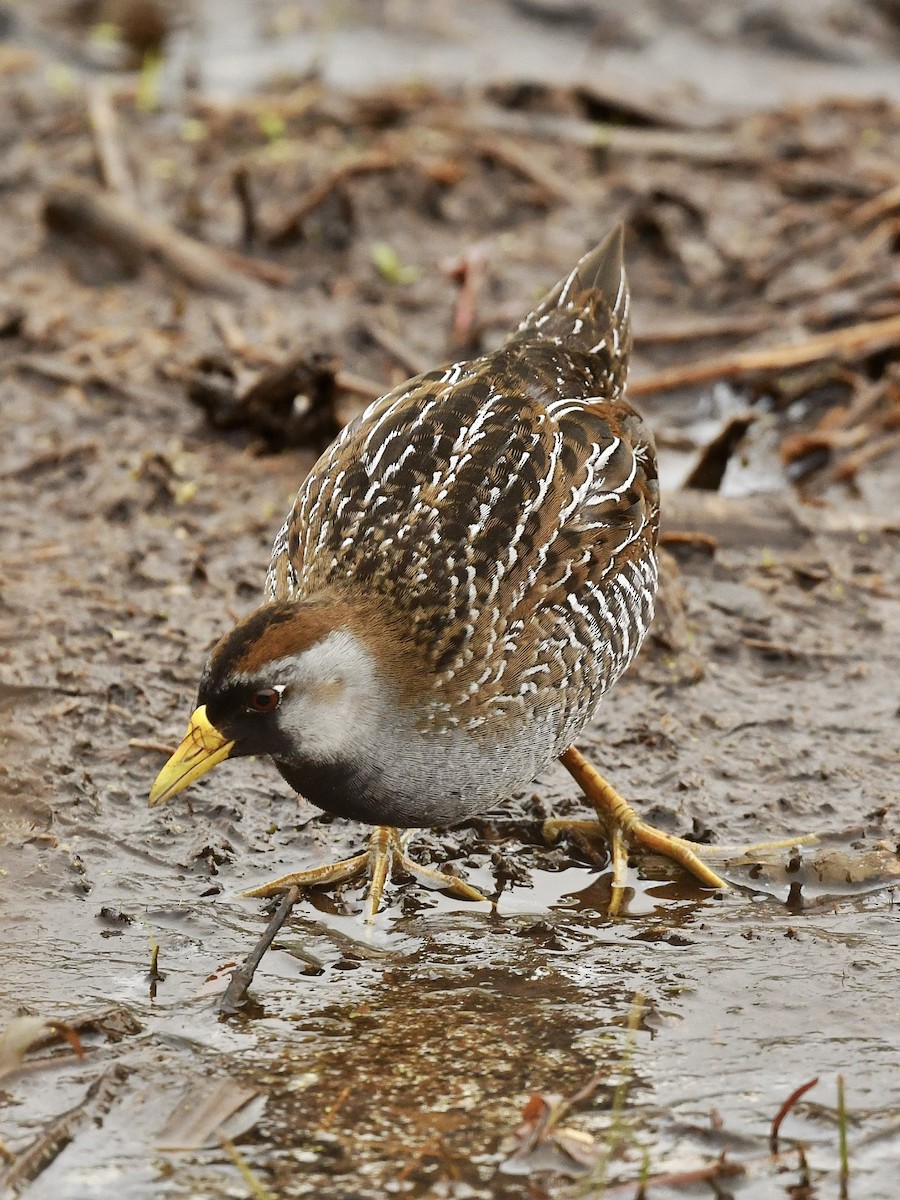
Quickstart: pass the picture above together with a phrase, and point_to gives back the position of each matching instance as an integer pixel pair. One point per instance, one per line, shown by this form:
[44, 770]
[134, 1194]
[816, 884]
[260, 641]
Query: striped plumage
[505, 510]
[464, 574]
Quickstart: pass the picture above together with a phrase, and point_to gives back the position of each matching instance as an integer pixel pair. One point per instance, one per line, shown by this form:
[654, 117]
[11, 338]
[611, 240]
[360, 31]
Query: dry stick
[854, 462]
[156, 747]
[74, 206]
[690, 145]
[786, 1108]
[879, 206]
[243, 190]
[517, 159]
[706, 327]
[821, 236]
[396, 348]
[319, 193]
[243, 976]
[853, 341]
[58, 371]
[857, 264]
[110, 157]
[349, 381]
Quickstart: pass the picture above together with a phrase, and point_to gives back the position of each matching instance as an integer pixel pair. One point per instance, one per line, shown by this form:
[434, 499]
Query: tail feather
[588, 309]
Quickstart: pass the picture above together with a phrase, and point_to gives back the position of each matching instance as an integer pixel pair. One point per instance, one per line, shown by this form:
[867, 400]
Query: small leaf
[389, 266]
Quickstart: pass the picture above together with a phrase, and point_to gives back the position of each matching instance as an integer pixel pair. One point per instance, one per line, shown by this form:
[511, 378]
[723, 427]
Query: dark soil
[151, 444]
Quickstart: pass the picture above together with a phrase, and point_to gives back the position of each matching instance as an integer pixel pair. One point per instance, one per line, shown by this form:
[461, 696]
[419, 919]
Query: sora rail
[465, 573]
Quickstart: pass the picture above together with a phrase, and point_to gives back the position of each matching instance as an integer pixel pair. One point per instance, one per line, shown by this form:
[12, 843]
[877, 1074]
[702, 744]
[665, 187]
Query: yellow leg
[386, 853]
[625, 827]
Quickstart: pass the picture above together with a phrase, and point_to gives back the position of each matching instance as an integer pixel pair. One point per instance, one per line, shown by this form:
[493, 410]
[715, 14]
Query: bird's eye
[266, 700]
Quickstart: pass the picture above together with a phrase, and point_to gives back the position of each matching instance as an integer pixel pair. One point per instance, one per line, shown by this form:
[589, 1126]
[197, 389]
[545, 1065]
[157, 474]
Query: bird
[465, 573]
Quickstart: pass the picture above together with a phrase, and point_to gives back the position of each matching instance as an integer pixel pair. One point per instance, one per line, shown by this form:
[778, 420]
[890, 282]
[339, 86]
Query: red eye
[266, 700]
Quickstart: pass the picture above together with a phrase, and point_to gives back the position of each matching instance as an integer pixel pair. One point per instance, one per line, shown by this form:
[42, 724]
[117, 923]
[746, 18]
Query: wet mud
[432, 1054]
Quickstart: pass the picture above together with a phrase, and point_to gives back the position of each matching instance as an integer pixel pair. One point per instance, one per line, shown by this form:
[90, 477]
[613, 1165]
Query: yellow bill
[202, 748]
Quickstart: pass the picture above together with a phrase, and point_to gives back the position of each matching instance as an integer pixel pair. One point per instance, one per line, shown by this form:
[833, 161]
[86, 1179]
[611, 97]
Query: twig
[291, 227]
[110, 157]
[259, 268]
[469, 271]
[333, 1109]
[515, 158]
[240, 181]
[156, 747]
[786, 1108]
[698, 327]
[73, 206]
[390, 342]
[853, 463]
[852, 341]
[243, 976]
[689, 145]
[879, 206]
[706, 542]
[348, 381]
[708, 471]
[58, 371]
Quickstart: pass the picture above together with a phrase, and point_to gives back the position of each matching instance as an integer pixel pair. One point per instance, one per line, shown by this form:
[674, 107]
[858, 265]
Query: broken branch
[849, 342]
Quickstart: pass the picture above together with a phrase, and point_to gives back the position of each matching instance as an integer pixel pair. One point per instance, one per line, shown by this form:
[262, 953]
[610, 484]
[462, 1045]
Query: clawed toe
[386, 853]
[626, 831]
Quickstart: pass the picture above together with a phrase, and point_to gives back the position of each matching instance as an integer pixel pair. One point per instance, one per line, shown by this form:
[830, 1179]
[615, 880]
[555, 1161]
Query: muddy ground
[384, 229]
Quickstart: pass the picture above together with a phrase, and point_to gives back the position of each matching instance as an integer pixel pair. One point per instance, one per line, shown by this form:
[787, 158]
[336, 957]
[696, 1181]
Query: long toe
[625, 828]
[337, 872]
[385, 854]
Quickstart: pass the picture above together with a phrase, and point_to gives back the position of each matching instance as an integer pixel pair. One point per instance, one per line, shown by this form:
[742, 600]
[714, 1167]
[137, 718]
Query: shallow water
[398, 1059]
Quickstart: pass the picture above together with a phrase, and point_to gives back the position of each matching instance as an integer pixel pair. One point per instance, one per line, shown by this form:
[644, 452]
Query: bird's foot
[386, 854]
[626, 830]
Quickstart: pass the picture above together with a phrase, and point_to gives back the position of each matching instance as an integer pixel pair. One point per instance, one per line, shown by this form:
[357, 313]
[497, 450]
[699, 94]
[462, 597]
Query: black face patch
[229, 709]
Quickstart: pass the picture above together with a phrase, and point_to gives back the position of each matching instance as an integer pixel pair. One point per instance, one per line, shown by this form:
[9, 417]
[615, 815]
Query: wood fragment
[876, 208]
[291, 403]
[241, 979]
[240, 182]
[700, 327]
[470, 272]
[396, 348]
[850, 466]
[518, 160]
[690, 145]
[291, 227]
[104, 125]
[847, 343]
[349, 381]
[75, 207]
[677, 538]
[261, 269]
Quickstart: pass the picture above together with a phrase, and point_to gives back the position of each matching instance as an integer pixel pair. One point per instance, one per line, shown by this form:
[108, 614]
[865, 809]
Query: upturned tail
[588, 310]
